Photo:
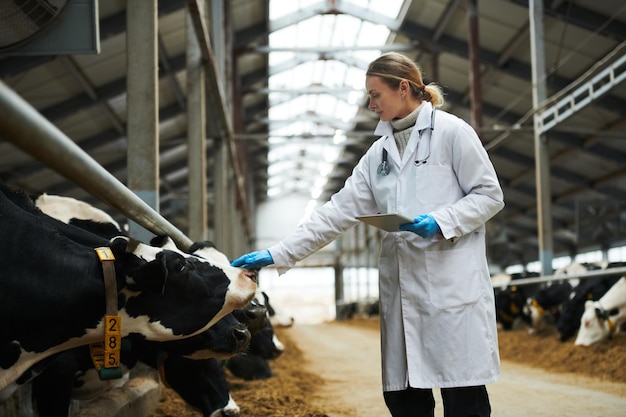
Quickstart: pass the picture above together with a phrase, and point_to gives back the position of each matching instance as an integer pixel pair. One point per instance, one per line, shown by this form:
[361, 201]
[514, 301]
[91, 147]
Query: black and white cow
[603, 318]
[192, 367]
[264, 346]
[572, 310]
[202, 384]
[184, 363]
[79, 213]
[545, 307]
[52, 289]
[70, 210]
[511, 300]
[71, 374]
[279, 317]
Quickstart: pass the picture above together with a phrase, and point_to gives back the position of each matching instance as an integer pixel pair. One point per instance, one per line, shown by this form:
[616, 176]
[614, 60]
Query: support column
[142, 106]
[476, 96]
[220, 189]
[196, 132]
[542, 154]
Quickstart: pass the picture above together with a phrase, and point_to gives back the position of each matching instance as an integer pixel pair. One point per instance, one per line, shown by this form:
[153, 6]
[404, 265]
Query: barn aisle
[347, 357]
[524, 391]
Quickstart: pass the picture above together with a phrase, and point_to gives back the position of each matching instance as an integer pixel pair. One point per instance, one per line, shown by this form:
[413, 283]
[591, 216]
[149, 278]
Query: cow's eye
[181, 267]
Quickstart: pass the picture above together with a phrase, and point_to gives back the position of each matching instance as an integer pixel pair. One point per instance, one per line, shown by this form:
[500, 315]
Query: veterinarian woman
[438, 327]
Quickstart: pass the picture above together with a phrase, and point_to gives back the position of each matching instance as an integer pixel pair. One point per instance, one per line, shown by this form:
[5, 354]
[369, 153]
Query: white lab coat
[438, 326]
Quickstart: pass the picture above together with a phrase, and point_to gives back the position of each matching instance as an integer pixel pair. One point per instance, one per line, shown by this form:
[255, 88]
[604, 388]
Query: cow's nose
[255, 318]
[242, 337]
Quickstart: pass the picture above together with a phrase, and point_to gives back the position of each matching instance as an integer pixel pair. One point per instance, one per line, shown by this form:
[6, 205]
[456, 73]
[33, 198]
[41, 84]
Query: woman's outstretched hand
[423, 225]
[254, 260]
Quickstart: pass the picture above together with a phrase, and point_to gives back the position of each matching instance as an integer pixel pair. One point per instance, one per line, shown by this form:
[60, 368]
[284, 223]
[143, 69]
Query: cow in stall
[253, 364]
[544, 308]
[602, 318]
[71, 375]
[202, 384]
[191, 367]
[72, 211]
[511, 299]
[588, 289]
[264, 344]
[52, 289]
[278, 316]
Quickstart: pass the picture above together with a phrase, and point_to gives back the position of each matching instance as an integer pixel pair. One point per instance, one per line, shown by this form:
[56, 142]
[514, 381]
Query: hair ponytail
[433, 93]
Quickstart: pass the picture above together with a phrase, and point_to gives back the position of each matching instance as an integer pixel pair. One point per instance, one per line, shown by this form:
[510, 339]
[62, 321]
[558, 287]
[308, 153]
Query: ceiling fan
[23, 20]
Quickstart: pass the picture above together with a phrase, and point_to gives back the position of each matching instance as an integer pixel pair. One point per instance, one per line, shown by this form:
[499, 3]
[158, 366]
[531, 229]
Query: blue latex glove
[423, 225]
[254, 260]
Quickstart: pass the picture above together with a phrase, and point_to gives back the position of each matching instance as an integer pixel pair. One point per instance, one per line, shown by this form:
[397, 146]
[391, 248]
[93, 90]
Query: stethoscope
[384, 168]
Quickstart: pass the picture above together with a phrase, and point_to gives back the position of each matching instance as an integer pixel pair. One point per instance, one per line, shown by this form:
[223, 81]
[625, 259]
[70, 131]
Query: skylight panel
[306, 31]
[279, 9]
[372, 34]
[284, 38]
[327, 30]
[316, 87]
[334, 73]
[293, 127]
[326, 104]
[344, 110]
[347, 26]
[389, 8]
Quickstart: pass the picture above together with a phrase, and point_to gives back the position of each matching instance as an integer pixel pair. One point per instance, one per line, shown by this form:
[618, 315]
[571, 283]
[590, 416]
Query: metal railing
[550, 278]
[582, 96]
[27, 129]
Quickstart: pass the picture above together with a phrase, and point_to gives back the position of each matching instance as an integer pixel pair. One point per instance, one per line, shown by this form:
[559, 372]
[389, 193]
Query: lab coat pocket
[452, 278]
[436, 185]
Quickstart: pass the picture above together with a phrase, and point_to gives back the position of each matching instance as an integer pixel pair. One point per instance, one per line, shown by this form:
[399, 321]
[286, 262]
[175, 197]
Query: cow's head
[510, 304]
[569, 320]
[224, 339]
[253, 315]
[202, 384]
[538, 316]
[596, 324]
[264, 342]
[229, 336]
[184, 293]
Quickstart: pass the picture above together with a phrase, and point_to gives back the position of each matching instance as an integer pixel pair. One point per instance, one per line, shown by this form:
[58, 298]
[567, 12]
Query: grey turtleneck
[402, 129]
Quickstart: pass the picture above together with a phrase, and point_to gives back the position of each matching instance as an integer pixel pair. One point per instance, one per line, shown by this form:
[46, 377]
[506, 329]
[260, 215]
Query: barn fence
[551, 278]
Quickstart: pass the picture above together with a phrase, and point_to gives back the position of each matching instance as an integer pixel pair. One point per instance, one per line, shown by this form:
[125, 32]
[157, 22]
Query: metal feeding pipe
[550, 278]
[27, 129]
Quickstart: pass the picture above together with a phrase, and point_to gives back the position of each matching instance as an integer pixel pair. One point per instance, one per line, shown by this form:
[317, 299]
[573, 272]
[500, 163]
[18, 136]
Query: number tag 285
[112, 341]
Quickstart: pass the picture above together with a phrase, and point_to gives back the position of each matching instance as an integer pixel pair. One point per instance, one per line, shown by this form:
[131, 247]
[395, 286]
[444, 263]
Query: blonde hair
[394, 67]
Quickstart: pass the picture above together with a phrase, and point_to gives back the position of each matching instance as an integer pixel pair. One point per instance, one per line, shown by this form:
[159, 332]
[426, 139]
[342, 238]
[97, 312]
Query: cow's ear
[196, 246]
[155, 274]
[172, 262]
[122, 248]
[118, 245]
